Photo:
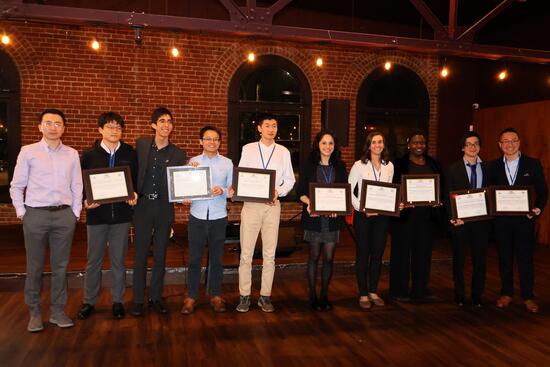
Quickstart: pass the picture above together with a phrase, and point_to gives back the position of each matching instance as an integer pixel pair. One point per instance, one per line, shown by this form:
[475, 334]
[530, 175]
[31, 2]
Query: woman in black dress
[322, 232]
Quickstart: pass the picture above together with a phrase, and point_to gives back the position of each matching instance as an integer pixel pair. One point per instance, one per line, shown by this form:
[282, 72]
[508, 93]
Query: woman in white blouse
[371, 229]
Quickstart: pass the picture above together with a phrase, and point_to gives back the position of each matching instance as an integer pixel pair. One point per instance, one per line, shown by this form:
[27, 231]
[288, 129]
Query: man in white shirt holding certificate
[263, 217]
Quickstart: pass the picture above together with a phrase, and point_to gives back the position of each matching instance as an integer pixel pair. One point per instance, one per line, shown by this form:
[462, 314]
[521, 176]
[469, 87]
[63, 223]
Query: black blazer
[309, 174]
[176, 157]
[456, 178]
[530, 172]
[401, 167]
[97, 157]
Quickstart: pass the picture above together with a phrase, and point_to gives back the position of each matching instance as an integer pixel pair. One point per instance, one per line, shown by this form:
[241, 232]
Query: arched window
[273, 85]
[10, 133]
[395, 102]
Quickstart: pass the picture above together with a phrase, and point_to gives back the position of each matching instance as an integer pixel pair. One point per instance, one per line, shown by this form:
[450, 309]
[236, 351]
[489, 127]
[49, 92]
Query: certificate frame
[364, 187]
[437, 183]
[88, 189]
[454, 212]
[530, 197]
[172, 197]
[337, 186]
[271, 173]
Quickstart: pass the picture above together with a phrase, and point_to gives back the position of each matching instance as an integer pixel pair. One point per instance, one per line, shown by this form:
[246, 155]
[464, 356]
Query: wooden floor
[434, 334]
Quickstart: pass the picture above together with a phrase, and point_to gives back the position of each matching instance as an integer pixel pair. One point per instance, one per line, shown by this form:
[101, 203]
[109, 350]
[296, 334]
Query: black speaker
[335, 117]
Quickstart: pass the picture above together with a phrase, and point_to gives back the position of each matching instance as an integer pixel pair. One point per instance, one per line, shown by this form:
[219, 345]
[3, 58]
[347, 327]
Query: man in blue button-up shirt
[207, 222]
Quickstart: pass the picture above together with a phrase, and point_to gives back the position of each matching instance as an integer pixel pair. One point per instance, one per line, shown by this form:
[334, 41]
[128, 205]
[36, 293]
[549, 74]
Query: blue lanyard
[376, 178]
[328, 178]
[512, 179]
[270, 156]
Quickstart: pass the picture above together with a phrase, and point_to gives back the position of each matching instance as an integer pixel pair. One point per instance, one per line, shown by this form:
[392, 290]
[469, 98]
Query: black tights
[326, 271]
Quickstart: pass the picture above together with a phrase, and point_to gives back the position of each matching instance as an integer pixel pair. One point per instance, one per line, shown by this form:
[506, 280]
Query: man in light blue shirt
[208, 221]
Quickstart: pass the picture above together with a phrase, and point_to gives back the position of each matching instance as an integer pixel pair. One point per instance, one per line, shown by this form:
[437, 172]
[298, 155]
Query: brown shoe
[531, 306]
[504, 301]
[218, 304]
[364, 302]
[188, 306]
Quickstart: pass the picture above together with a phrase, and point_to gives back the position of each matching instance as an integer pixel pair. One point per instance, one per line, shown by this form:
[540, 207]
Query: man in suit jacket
[154, 214]
[516, 234]
[468, 173]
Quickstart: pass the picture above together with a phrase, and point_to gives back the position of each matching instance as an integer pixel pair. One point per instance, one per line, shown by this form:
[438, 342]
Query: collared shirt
[153, 174]
[221, 170]
[365, 171]
[280, 162]
[46, 177]
[511, 169]
[479, 172]
[106, 148]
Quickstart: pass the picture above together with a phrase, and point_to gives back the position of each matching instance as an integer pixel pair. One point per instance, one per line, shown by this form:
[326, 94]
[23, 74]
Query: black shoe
[137, 309]
[158, 306]
[325, 304]
[85, 311]
[118, 310]
[477, 302]
[316, 305]
[459, 301]
[402, 299]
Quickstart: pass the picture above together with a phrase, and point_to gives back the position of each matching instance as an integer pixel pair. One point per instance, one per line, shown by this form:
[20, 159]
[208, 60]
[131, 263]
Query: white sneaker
[376, 300]
[35, 324]
[61, 320]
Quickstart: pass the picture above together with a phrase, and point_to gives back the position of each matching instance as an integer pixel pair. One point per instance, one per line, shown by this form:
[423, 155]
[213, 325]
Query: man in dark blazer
[468, 173]
[516, 234]
[154, 214]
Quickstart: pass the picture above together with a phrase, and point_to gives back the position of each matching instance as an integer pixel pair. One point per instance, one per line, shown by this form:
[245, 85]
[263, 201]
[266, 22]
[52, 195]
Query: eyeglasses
[113, 127]
[164, 121]
[52, 123]
[509, 142]
[215, 140]
[469, 145]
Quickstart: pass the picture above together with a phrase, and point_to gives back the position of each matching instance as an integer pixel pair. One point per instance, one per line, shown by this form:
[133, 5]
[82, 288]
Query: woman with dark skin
[412, 237]
[322, 232]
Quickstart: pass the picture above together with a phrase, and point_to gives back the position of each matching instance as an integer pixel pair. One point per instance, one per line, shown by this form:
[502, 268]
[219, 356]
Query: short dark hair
[365, 157]
[414, 133]
[53, 111]
[508, 130]
[266, 116]
[204, 129]
[469, 134]
[158, 112]
[110, 116]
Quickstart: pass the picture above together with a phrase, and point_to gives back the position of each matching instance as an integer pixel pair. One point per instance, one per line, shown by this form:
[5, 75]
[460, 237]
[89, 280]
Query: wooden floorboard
[433, 334]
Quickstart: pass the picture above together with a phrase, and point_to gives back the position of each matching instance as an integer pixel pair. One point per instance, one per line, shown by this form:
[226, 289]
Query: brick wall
[59, 70]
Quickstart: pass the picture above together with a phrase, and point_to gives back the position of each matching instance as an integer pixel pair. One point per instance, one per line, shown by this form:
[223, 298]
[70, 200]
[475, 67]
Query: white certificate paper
[253, 185]
[471, 205]
[329, 199]
[512, 200]
[380, 198]
[190, 183]
[108, 185]
[420, 189]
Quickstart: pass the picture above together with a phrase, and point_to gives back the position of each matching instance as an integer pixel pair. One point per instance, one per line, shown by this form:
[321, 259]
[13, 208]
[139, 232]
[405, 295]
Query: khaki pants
[255, 218]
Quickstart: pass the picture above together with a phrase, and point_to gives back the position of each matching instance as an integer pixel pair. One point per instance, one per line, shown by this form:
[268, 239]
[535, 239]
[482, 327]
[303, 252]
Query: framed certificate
[512, 200]
[421, 190]
[380, 197]
[470, 205]
[188, 183]
[252, 184]
[108, 185]
[330, 198]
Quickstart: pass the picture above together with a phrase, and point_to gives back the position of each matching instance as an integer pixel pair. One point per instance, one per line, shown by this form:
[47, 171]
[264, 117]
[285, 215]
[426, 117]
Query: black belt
[150, 196]
[53, 208]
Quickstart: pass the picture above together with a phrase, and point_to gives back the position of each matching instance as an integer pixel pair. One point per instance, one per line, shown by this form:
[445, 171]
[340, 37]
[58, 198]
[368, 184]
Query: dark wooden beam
[431, 18]
[453, 8]
[94, 17]
[490, 15]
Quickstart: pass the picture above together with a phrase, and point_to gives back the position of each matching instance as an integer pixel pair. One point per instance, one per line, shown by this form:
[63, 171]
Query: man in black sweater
[107, 224]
